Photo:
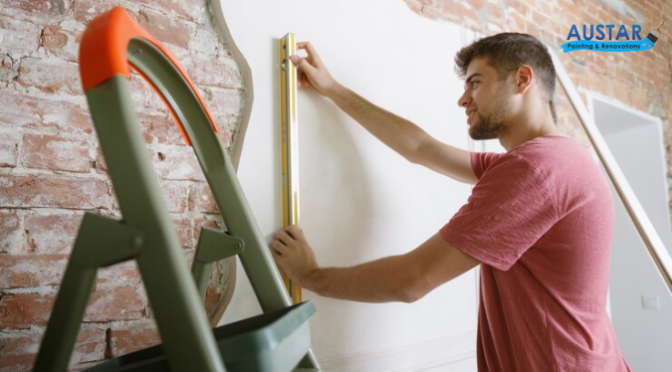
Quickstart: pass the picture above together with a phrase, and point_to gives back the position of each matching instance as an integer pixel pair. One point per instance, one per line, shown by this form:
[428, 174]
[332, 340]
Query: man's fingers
[303, 64]
[278, 247]
[293, 231]
[284, 237]
[308, 47]
[303, 79]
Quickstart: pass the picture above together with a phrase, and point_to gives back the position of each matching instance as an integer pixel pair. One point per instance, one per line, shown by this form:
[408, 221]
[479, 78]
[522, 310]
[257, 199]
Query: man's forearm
[376, 281]
[396, 132]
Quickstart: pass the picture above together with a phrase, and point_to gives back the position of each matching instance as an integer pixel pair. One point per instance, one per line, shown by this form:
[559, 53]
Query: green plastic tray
[271, 342]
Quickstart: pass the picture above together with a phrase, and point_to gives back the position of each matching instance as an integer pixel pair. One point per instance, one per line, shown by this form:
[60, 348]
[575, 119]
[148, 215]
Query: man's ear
[524, 78]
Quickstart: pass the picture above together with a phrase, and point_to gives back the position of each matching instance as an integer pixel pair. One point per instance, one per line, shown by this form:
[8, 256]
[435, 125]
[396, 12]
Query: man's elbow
[413, 293]
[412, 157]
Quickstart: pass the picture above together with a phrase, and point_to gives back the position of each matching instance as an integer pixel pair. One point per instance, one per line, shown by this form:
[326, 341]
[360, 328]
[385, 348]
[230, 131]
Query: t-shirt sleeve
[509, 209]
[480, 161]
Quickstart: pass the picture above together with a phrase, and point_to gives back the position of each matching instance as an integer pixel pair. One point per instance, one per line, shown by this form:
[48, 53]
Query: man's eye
[474, 82]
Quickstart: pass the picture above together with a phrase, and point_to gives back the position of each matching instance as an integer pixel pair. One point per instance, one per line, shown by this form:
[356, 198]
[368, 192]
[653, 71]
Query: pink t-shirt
[540, 219]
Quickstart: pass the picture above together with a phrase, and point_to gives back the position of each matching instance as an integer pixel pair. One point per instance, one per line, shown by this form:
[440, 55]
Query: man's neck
[517, 135]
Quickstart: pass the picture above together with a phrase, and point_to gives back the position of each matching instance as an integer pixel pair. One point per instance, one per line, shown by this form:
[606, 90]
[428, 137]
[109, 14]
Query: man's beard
[491, 125]
[486, 127]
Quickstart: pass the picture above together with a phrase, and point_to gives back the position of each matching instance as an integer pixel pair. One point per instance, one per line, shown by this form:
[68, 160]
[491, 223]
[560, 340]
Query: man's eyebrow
[468, 80]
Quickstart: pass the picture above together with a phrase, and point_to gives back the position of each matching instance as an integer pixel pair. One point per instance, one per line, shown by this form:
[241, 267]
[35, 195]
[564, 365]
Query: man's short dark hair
[506, 52]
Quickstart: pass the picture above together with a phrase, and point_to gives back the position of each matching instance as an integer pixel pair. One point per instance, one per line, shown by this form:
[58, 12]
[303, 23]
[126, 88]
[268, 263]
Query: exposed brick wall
[52, 170]
[641, 80]
[48, 147]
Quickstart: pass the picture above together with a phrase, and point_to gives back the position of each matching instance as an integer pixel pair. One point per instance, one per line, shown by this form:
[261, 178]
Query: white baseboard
[421, 356]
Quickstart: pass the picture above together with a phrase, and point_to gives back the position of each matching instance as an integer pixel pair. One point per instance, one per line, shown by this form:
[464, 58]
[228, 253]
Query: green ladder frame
[146, 233]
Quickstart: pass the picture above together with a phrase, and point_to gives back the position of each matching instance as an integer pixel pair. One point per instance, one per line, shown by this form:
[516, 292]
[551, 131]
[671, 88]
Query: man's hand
[313, 72]
[293, 254]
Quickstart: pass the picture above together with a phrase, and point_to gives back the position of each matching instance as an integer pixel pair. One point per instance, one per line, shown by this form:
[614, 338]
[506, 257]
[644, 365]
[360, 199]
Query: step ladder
[277, 340]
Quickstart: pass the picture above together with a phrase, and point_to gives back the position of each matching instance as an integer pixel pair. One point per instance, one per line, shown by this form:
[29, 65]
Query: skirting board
[423, 356]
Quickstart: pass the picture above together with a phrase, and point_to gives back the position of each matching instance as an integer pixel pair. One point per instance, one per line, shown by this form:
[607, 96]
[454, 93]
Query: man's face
[485, 100]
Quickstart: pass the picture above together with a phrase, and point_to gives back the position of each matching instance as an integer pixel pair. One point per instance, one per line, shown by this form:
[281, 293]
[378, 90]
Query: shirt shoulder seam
[544, 174]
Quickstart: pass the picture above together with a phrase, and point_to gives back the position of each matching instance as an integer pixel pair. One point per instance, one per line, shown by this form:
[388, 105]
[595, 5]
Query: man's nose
[464, 99]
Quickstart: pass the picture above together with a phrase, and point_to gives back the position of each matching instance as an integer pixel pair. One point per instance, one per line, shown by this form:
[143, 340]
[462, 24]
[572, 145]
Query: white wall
[359, 200]
[645, 335]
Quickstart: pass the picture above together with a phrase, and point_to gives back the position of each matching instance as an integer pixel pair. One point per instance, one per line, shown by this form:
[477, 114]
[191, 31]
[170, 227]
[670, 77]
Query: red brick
[415, 5]
[124, 303]
[222, 74]
[201, 198]
[668, 102]
[166, 29]
[627, 76]
[55, 153]
[228, 102]
[99, 163]
[175, 194]
[431, 13]
[10, 232]
[457, 11]
[601, 61]
[53, 192]
[18, 349]
[639, 99]
[9, 70]
[225, 105]
[185, 232]
[516, 22]
[143, 97]
[17, 363]
[83, 366]
[225, 135]
[160, 129]
[132, 336]
[189, 257]
[496, 13]
[18, 37]
[50, 75]
[52, 38]
[86, 10]
[37, 11]
[44, 114]
[206, 43]
[477, 4]
[8, 152]
[51, 234]
[177, 163]
[122, 274]
[31, 270]
[73, 31]
[521, 7]
[201, 222]
[540, 19]
[190, 10]
[620, 91]
[21, 311]
[90, 346]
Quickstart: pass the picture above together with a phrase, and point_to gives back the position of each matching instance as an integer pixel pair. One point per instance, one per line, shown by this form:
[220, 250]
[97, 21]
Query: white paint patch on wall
[359, 200]
[623, 8]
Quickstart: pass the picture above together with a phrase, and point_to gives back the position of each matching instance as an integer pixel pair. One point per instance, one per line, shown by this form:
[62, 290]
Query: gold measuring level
[290, 145]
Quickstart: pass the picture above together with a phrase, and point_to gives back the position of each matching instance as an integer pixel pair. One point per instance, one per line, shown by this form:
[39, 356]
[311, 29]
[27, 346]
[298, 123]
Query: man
[539, 220]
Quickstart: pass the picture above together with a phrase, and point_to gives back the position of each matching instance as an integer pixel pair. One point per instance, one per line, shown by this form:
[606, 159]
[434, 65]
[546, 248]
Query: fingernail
[294, 58]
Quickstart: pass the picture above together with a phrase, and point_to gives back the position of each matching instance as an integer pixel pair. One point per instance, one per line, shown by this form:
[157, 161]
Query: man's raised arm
[401, 135]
